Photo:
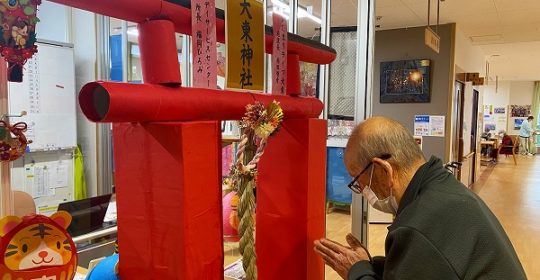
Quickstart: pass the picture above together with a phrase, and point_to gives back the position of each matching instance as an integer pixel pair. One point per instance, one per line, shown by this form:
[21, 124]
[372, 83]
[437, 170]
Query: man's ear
[388, 169]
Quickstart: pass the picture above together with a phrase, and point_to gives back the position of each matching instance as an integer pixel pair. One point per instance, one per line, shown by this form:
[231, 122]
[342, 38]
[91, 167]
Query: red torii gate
[167, 141]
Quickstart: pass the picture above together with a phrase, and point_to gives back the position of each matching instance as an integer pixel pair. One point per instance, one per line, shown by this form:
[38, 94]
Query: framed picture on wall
[517, 123]
[520, 111]
[405, 81]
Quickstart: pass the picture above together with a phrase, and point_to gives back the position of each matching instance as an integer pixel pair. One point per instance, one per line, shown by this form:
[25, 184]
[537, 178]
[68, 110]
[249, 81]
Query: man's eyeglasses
[353, 185]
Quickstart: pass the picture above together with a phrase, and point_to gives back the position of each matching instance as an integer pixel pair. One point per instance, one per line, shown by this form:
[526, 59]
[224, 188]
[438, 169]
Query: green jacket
[442, 231]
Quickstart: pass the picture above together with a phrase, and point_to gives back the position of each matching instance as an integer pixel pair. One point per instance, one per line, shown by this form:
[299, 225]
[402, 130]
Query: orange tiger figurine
[37, 247]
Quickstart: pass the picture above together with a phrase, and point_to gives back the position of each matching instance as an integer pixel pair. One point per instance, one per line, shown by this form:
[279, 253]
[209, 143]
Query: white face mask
[387, 205]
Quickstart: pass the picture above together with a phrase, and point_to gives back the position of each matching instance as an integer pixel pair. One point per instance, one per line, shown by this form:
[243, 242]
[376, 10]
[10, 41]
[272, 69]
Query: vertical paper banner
[279, 55]
[203, 24]
[245, 44]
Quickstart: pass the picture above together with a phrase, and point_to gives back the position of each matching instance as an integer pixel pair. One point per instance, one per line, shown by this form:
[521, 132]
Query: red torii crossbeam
[167, 155]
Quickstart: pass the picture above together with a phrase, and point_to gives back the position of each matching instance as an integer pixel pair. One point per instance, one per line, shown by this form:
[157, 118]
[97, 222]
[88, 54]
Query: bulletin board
[495, 118]
[47, 176]
[47, 94]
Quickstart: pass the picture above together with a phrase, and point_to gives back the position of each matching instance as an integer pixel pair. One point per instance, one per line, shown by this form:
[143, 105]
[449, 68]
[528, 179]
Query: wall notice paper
[37, 181]
[44, 180]
[425, 125]
[436, 126]
[235, 271]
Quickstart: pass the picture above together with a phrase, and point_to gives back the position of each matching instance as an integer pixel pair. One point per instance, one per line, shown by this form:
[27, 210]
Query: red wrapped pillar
[291, 202]
[293, 74]
[168, 181]
[159, 57]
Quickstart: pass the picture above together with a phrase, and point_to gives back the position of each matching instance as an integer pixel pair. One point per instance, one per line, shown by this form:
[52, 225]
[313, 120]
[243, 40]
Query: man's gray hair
[385, 136]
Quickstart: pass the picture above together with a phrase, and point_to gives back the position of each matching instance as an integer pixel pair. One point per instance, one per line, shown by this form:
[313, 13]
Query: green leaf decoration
[24, 2]
[29, 10]
[2, 40]
[34, 20]
[3, 133]
[31, 39]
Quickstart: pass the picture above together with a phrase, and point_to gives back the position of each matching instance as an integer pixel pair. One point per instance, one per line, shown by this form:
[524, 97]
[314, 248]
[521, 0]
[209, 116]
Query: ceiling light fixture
[283, 9]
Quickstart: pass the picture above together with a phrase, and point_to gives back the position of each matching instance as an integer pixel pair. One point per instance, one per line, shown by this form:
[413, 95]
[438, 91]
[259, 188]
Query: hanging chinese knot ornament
[258, 124]
[13, 142]
[18, 28]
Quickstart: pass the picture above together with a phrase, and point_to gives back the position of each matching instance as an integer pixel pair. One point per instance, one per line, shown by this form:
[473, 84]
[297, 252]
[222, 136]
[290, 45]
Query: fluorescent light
[304, 13]
[283, 9]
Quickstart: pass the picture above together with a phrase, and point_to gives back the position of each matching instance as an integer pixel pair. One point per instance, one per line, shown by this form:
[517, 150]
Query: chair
[509, 147]
[23, 204]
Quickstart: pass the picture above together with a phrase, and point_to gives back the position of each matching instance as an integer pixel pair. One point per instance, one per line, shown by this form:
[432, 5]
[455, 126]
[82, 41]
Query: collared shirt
[525, 130]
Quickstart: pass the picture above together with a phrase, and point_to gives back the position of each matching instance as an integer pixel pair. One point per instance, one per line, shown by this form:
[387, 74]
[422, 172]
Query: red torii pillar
[167, 151]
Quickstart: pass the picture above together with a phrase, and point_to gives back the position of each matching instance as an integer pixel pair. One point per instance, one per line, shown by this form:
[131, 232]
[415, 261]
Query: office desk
[492, 142]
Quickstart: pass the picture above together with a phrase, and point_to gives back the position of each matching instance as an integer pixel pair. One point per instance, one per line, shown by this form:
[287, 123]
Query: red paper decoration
[18, 34]
[13, 142]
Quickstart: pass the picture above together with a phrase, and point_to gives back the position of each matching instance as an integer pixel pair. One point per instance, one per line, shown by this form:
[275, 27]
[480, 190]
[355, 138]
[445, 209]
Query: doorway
[457, 115]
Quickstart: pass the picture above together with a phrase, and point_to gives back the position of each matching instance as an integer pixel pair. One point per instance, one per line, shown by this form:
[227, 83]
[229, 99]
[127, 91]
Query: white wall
[54, 22]
[521, 93]
[500, 96]
[85, 42]
[468, 58]
[509, 93]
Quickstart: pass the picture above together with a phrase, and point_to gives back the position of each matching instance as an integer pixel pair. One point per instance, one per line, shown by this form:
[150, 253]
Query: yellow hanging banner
[245, 44]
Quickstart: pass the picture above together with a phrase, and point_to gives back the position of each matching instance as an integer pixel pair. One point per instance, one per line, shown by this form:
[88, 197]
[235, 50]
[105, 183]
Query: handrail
[95, 234]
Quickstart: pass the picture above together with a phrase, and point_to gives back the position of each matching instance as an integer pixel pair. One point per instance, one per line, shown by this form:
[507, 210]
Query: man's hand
[339, 257]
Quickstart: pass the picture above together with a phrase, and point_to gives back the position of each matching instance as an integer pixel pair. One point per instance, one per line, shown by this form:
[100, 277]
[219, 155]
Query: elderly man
[441, 229]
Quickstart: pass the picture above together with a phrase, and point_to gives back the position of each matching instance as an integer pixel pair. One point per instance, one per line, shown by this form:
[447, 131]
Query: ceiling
[508, 31]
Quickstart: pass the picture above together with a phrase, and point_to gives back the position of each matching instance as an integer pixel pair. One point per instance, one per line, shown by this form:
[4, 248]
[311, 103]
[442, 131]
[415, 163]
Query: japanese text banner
[279, 55]
[245, 44]
[203, 23]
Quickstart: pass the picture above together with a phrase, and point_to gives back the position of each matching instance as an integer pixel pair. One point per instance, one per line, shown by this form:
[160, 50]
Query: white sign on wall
[426, 125]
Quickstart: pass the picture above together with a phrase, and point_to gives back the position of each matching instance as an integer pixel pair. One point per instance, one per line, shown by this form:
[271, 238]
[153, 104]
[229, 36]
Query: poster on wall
[517, 123]
[425, 125]
[499, 110]
[437, 126]
[421, 125]
[495, 118]
[221, 62]
[488, 110]
[520, 111]
[308, 77]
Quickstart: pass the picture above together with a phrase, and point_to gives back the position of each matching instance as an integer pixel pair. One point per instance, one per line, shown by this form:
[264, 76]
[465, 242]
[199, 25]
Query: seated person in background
[507, 144]
[486, 135]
